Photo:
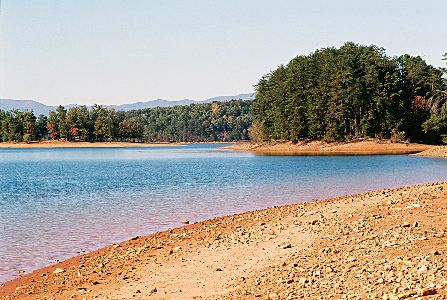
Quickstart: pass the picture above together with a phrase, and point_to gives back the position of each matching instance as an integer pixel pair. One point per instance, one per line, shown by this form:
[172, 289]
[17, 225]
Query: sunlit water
[57, 203]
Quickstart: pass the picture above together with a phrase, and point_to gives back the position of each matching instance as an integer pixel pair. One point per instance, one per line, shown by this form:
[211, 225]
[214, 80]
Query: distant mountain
[39, 108]
[167, 103]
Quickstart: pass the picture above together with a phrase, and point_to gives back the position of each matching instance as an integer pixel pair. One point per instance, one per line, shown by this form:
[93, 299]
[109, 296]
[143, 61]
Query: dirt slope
[356, 147]
[379, 245]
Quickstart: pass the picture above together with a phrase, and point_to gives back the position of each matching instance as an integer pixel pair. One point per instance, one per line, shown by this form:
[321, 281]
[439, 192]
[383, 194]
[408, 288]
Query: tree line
[354, 91]
[210, 122]
[331, 94]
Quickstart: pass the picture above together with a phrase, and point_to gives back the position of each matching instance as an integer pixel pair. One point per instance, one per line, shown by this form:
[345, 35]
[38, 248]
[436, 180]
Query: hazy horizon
[132, 102]
[116, 52]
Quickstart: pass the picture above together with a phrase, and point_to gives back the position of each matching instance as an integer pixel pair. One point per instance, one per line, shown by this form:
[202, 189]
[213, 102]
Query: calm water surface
[57, 203]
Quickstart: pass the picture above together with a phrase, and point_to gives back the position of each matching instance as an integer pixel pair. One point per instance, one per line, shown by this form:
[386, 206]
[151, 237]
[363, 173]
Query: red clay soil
[388, 244]
[62, 144]
[357, 147]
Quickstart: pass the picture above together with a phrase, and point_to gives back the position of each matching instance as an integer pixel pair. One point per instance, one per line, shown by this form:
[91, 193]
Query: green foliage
[354, 91]
[27, 138]
[99, 124]
[211, 122]
[331, 94]
[41, 127]
[436, 126]
[14, 125]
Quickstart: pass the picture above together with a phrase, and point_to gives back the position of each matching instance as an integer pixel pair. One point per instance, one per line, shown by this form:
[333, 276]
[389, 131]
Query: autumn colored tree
[73, 133]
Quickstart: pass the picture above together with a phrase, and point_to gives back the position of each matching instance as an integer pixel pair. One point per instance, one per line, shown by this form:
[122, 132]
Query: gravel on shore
[354, 147]
[388, 244]
[438, 151]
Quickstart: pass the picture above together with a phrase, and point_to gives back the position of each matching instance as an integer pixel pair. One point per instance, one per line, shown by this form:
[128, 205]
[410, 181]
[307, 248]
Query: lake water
[57, 203]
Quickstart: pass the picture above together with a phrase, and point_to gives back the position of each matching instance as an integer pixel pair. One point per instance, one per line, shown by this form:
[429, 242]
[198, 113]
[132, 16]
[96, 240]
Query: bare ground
[355, 147]
[438, 151]
[62, 144]
[378, 245]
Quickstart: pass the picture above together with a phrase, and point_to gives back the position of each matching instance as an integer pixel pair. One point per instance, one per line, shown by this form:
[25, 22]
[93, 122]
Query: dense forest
[331, 94]
[211, 122]
[354, 91]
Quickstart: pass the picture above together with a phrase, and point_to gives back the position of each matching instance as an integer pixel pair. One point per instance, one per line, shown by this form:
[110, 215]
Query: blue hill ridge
[40, 108]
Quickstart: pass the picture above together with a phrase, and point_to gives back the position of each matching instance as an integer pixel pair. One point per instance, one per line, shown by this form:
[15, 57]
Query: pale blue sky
[124, 51]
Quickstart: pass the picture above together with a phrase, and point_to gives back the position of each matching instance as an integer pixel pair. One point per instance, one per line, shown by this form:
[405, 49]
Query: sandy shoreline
[61, 144]
[362, 147]
[358, 147]
[438, 151]
[387, 244]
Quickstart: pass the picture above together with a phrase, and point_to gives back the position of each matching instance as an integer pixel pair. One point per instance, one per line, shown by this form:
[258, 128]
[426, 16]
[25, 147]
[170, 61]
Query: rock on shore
[354, 147]
[439, 151]
[379, 245]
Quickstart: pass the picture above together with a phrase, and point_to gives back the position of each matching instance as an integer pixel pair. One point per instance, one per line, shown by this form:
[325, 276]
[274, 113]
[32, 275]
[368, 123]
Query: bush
[27, 138]
[397, 136]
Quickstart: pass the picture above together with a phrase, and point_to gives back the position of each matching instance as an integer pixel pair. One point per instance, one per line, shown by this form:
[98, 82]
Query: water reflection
[56, 203]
